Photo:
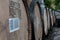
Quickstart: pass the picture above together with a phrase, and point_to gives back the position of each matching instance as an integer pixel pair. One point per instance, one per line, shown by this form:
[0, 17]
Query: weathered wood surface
[51, 16]
[4, 15]
[45, 21]
[29, 2]
[54, 17]
[37, 23]
[48, 15]
[52, 22]
[24, 23]
[22, 33]
[28, 16]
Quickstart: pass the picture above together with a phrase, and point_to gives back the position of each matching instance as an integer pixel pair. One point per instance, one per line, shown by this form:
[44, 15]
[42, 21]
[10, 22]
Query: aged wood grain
[24, 22]
[29, 2]
[30, 28]
[37, 23]
[28, 16]
[22, 33]
[45, 22]
[48, 15]
[52, 17]
[4, 15]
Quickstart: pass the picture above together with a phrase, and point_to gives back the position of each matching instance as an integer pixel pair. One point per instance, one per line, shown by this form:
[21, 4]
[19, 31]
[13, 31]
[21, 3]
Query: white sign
[14, 24]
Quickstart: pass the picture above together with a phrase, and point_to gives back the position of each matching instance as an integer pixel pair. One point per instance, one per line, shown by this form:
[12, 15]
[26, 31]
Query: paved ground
[54, 33]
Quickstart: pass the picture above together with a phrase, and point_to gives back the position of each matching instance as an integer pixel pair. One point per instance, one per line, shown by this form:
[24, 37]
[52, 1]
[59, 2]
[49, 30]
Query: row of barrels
[33, 21]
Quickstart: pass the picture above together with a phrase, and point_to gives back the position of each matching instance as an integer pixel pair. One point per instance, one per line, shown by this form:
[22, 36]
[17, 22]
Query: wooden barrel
[54, 18]
[29, 2]
[17, 10]
[48, 14]
[4, 15]
[28, 16]
[24, 23]
[45, 18]
[51, 15]
[37, 22]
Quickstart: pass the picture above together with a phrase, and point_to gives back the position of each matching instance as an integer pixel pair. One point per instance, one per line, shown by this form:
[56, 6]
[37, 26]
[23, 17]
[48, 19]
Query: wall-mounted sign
[14, 24]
